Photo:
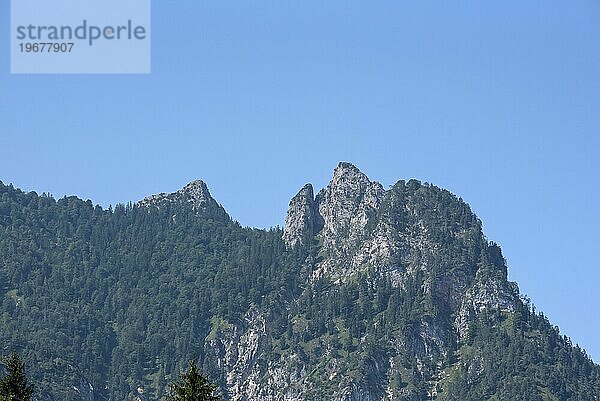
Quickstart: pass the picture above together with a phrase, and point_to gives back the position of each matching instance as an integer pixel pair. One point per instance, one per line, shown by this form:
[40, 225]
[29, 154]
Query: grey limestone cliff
[303, 220]
[195, 193]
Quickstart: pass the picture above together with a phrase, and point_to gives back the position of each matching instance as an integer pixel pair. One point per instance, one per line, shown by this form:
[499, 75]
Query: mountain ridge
[366, 294]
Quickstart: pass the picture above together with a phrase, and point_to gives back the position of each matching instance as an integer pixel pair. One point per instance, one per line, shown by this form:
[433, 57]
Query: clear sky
[498, 102]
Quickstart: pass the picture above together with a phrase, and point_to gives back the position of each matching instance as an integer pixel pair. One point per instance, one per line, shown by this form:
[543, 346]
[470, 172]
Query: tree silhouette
[192, 386]
[14, 386]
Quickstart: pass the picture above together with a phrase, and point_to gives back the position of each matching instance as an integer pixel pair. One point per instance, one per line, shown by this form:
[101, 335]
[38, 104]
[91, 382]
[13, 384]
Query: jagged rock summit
[195, 193]
[345, 203]
[360, 226]
[303, 220]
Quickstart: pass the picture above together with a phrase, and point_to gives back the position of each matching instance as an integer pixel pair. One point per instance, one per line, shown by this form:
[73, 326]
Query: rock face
[348, 206]
[303, 220]
[411, 234]
[485, 294]
[195, 193]
[339, 218]
[360, 226]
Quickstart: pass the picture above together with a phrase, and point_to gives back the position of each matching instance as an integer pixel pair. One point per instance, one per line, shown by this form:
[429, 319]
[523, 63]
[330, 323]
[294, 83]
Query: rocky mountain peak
[338, 216]
[346, 205]
[303, 220]
[195, 193]
[348, 191]
[348, 178]
[347, 168]
[359, 225]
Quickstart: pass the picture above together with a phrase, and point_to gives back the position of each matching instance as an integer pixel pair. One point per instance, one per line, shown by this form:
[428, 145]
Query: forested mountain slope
[366, 294]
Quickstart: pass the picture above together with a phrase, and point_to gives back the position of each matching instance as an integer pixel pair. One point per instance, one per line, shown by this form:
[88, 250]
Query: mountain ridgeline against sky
[367, 294]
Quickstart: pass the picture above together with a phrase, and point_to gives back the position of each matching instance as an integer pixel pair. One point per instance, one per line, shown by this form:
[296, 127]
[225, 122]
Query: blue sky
[497, 102]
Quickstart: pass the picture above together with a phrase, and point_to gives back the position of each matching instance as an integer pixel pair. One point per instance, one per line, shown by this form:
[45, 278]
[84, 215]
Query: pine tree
[192, 386]
[14, 386]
